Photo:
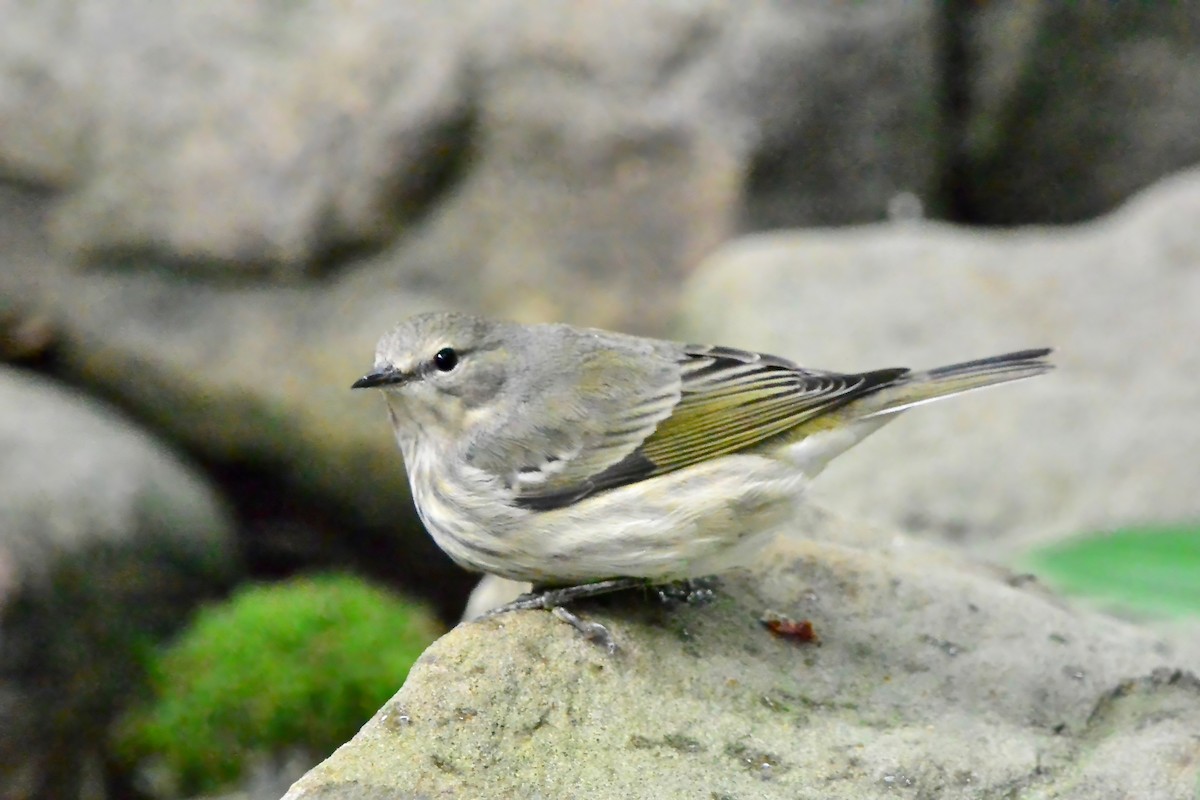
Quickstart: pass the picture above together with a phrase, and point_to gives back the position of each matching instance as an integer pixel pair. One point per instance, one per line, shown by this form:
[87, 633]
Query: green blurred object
[1149, 571]
[297, 665]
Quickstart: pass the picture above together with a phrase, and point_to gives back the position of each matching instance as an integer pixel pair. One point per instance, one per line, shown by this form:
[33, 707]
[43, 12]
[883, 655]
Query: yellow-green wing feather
[733, 400]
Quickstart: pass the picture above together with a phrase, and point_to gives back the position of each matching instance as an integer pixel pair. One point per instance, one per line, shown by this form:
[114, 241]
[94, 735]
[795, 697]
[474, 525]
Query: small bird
[591, 460]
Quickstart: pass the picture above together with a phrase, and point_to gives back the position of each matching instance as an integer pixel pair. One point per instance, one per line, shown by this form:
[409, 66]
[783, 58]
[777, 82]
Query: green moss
[1152, 571]
[300, 664]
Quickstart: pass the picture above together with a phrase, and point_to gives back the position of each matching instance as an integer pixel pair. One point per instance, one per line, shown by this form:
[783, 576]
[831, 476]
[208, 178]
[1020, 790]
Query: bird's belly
[697, 521]
[474, 532]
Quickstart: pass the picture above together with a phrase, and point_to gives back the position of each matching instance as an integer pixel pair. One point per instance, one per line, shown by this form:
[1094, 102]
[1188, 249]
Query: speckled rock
[931, 677]
[1108, 439]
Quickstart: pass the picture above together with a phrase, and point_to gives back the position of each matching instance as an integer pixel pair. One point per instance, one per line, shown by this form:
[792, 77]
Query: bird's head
[443, 373]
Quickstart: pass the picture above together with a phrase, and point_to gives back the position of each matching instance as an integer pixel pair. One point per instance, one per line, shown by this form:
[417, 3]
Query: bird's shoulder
[582, 401]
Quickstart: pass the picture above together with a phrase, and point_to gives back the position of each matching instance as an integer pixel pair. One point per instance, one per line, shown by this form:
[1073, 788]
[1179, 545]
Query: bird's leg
[555, 599]
[562, 595]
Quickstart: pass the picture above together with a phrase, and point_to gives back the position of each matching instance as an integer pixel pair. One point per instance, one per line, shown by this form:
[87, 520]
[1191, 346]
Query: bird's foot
[592, 631]
[555, 600]
[691, 591]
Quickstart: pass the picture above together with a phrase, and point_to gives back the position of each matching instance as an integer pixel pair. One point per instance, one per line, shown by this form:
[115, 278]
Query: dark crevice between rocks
[451, 149]
[411, 195]
[953, 59]
[284, 534]
[28, 339]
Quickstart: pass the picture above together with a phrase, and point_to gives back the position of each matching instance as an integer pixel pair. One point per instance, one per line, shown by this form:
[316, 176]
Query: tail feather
[916, 388]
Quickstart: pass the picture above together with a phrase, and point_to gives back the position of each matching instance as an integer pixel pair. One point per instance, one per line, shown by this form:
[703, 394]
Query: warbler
[570, 456]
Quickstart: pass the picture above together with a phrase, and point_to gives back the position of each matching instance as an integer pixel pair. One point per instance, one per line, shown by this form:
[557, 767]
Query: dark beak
[388, 376]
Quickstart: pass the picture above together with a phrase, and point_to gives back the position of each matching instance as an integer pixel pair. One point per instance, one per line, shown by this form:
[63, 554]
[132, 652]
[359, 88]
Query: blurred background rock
[210, 211]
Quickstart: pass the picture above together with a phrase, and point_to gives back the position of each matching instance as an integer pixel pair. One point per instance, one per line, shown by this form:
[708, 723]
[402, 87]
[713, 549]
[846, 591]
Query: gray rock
[107, 541]
[1108, 439]
[1068, 108]
[519, 154]
[931, 678]
[617, 147]
[520, 142]
[242, 134]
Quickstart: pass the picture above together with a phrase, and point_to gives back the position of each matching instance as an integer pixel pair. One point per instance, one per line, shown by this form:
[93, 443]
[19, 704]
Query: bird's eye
[445, 359]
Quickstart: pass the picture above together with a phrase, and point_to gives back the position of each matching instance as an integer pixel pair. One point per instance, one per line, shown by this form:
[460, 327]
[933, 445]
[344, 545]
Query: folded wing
[729, 401]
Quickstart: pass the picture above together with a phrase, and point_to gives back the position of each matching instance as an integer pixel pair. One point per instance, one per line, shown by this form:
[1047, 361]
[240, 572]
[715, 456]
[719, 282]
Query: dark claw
[692, 592]
[592, 631]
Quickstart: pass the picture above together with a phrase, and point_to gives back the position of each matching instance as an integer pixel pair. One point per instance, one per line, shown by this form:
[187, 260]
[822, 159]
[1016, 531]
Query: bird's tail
[915, 388]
